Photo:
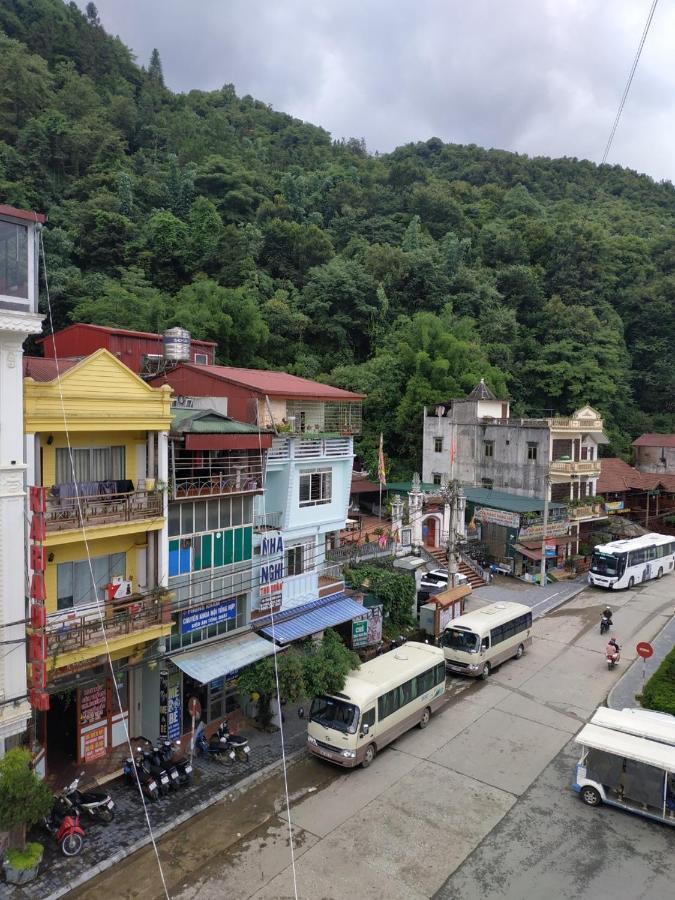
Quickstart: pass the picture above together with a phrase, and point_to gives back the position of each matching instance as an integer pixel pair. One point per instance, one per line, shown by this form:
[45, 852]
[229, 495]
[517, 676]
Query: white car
[437, 580]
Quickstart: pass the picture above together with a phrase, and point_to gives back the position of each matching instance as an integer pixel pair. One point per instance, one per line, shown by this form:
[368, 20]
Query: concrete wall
[648, 459]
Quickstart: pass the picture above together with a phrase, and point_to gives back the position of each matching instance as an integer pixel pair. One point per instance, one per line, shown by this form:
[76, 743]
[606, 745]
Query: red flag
[453, 448]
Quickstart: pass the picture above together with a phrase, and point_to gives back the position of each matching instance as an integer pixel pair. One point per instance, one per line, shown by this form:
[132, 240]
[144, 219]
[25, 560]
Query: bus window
[485, 643]
[455, 639]
[334, 714]
[368, 718]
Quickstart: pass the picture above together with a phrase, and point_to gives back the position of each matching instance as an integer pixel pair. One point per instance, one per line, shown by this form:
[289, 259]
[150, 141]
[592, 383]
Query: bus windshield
[455, 639]
[607, 564]
[334, 713]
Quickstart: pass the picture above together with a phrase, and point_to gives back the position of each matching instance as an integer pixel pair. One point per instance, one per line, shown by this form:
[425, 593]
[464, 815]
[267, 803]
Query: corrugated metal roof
[124, 332]
[279, 384]
[15, 213]
[40, 369]
[223, 658]
[209, 421]
[655, 440]
[310, 618]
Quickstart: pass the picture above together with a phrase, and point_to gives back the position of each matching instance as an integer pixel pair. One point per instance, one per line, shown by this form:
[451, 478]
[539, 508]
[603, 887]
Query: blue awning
[310, 618]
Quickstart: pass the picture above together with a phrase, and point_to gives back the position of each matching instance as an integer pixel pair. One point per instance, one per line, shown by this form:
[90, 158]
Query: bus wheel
[369, 756]
[631, 583]
[520, 651]
[426, 715]
[591, 796]
[486, 671]
[659, 574]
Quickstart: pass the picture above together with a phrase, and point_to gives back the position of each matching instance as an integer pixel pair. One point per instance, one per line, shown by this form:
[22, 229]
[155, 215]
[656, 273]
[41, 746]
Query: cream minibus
[628, 761]
[378, 702]
[478, 641]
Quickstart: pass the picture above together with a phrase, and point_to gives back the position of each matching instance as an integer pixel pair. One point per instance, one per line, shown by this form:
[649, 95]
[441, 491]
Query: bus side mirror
[301, 712]
[365, 729]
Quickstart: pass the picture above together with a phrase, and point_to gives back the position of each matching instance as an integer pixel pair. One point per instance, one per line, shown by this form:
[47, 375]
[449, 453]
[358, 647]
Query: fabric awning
[310, 618]
[224, 658]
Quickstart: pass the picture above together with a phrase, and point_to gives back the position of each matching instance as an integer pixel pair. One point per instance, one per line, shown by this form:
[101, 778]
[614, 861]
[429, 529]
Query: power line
[630, 80]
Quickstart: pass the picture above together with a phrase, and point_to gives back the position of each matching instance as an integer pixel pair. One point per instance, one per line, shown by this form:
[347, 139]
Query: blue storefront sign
[211, 614]
[174, 729]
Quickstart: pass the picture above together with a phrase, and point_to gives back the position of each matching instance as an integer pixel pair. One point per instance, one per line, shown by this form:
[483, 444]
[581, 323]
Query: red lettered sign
[644, 649]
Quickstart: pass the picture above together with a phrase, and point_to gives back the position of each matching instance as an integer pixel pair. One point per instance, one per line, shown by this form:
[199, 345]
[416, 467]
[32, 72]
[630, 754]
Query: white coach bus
[380, 701]
[478, 641]
[623, 564]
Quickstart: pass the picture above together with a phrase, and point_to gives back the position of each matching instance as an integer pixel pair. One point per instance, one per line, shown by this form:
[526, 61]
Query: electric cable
[85, 540]
[624, 97]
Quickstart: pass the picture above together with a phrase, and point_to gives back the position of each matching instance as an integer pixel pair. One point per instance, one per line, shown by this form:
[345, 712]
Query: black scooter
[157, 768]
[137, 773]
[606, 621]
[237, 741]
[182, 764]
[97, 805]
[216, 748]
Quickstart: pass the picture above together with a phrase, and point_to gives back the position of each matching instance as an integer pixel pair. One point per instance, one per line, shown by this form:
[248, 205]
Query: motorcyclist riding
[613, 648]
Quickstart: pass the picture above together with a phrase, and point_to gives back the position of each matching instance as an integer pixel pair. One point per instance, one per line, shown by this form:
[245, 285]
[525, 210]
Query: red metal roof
[278, 384]
[655, 440]
[122, 331]
[40, 369]
[21, 213]
[616, 476]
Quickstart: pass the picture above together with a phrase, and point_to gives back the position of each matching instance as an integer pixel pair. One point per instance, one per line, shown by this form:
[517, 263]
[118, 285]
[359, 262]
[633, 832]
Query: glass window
[487, 483]
[387, 704]
[438, 445]
[457, 639]
[489, 448]
[212, 520]
[236, 510]
[74, 585]
[187, 518]
[200, 516]
[225, 512]
[368, 718]
[90, 464]
[315, 487]
[436, 478]
[174, 519]
[13, 260]
[247, 510]
[532, 451]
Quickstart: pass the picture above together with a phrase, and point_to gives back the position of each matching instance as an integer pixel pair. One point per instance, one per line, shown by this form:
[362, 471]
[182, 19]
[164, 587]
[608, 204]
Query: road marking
[545, 601]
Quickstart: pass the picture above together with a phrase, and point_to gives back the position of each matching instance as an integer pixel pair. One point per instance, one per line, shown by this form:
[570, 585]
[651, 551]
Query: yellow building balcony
[73, 637]
[575, 467]
[105, 512]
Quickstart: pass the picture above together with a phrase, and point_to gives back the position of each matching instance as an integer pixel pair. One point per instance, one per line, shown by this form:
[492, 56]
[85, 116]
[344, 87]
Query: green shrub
[659, 692]
[25, 859]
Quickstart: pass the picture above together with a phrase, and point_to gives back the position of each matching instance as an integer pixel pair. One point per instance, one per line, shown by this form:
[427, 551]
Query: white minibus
[621, 766]
[478, 641]
[380, 701]
[623, 564]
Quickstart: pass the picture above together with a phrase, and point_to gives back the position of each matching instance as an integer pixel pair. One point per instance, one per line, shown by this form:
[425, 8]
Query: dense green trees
[407, 276]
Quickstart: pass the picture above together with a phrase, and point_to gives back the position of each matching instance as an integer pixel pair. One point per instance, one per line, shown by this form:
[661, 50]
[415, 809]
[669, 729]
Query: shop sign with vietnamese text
[95, 743]
[271, 571]
[554, 528]
[93, 704]
[211, 614]
[497, 517]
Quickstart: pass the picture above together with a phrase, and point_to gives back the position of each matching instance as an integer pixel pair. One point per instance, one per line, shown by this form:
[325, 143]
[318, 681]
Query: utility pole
[452, 494]
[547, 487]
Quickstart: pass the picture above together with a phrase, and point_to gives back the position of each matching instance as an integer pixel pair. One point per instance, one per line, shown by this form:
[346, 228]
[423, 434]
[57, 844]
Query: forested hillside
[407, 276]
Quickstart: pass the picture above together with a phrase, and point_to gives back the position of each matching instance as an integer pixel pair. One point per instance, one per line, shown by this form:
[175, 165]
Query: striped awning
[310, 618]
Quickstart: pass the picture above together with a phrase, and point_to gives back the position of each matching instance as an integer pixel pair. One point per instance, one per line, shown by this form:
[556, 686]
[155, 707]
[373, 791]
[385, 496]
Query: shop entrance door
[62, 729]
[429, 527]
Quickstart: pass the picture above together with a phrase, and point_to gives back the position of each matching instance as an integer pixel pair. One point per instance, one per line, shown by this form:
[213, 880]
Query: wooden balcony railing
[69, 512]
[72, 630]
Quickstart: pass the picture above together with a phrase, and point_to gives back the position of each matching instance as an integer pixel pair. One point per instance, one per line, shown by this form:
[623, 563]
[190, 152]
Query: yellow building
[96, 439]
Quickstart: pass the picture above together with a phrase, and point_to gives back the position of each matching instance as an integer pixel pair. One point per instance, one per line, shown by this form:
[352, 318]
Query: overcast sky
[533, 76]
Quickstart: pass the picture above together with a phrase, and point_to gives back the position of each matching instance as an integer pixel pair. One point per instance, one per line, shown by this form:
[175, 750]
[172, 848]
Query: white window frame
[438, 445]
[319, 487]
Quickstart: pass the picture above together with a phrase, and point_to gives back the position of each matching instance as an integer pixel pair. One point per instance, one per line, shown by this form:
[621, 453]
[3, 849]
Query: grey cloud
[534, 76]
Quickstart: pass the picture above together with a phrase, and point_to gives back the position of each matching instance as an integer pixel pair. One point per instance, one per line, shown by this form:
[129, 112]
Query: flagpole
[380, 509]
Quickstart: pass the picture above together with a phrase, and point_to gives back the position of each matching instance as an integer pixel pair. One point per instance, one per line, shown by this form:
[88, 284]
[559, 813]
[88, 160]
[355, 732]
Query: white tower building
[18, 319]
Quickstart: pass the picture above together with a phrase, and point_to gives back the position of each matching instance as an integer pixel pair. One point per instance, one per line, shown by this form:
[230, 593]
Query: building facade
[655, 454]
[96, 448]
[19, 318]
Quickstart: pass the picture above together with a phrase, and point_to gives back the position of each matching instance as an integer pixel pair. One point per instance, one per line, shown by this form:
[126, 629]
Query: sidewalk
[104, 845]
[623, 693]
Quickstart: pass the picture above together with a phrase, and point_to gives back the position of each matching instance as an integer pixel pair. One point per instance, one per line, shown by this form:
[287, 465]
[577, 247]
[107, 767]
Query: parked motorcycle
[237, 741]
[158, 770]
[97, 805]
[63, 823]
[168, 750]
[137, 773]
[216, 748]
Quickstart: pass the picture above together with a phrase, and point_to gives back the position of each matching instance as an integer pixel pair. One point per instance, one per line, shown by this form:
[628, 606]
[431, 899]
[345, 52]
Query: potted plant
[24, 800]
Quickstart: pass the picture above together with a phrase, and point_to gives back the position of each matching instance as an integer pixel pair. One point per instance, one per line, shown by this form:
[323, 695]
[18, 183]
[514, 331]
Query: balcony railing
[270, 521]
[555, 424]
[68, 631]
[65, 513]
[220, 475]
[310, 448]
[317, 417]
[575, 467]
[330, 580]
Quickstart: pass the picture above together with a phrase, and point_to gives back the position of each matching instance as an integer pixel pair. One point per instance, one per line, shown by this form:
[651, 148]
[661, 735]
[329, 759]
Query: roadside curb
[632, 674]
[228, 793]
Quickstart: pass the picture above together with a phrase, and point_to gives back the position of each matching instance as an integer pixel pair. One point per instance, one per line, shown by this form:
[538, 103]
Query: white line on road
[545, 601]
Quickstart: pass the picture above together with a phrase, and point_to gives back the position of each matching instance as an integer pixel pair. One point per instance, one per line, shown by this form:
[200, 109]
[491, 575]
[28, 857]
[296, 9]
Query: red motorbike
[63, 823]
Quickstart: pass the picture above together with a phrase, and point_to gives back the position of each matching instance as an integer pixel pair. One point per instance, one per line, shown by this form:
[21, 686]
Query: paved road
[540, 600]
[485, 783]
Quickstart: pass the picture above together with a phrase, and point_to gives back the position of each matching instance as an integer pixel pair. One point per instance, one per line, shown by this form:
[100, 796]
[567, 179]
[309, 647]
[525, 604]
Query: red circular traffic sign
[194, 707]
[644, 649]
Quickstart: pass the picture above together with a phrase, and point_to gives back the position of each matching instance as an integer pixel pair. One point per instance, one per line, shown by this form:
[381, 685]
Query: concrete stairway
[440, 554]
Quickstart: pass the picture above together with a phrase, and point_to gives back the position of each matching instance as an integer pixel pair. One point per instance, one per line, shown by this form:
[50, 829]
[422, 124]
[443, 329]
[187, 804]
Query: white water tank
[177, 344]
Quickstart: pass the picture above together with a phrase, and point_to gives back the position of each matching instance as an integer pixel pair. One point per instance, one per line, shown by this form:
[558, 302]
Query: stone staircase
[440, 555]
